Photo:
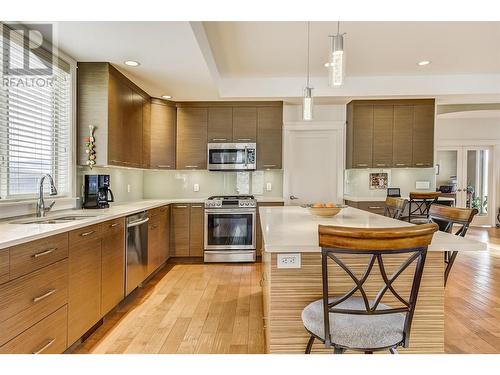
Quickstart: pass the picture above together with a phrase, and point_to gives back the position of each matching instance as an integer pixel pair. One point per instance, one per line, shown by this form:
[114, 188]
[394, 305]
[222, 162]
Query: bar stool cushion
[355, 331]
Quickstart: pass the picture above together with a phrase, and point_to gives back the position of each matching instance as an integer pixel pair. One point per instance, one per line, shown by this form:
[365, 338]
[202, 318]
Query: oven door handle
[236, 211]
[246, 156]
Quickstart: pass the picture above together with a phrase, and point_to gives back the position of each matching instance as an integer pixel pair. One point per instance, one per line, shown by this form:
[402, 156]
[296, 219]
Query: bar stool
[418, 207]
[394, 207]
[359, 323]
[445, 217]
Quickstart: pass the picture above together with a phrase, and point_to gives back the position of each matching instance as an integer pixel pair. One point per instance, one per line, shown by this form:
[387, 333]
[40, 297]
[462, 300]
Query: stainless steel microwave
[232, 157]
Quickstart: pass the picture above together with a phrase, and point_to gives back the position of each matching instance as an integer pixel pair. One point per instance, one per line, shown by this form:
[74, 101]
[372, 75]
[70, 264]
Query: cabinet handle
[380, 165]
[46, 346]
[190, 166]
[154, 226]
[375, 207]
[419, 164]
[163, 166]
[219, 139]
[362, 165]
[46, 252]
[196, 206]
[87, 233]
[114, 225]
[269, 165]
[244, 139]
[43, 296]
[401, 164]
[180, 206]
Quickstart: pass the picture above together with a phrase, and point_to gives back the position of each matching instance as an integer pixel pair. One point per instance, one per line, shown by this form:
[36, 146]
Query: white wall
[473, 131]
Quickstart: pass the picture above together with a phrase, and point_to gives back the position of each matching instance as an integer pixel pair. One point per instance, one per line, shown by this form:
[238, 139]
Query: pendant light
[336, 65]
[307, 100]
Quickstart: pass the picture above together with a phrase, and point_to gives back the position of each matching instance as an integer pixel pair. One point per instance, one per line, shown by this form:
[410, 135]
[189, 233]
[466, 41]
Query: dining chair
[394, 207]
[446, 217]
[356, 321]
[418, 206]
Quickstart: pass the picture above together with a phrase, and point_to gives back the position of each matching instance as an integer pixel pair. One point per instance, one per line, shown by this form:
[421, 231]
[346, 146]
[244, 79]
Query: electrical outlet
[128, 188]
[289, 260]
[269, 186]
[196, 187]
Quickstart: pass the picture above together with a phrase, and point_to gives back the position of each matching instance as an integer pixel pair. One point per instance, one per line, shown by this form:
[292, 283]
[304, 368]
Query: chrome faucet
[41, 210]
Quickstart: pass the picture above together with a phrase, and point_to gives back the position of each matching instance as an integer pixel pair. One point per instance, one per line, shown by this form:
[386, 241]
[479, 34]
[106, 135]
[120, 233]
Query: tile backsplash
[180, 184]
[356, 182]
[133, 184]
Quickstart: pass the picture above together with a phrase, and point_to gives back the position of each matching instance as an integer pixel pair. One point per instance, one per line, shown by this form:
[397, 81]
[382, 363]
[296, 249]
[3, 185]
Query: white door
[313, 165]
[469, 171]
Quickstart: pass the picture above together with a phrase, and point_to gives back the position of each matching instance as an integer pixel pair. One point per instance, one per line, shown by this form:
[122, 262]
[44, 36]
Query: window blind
[35, 114]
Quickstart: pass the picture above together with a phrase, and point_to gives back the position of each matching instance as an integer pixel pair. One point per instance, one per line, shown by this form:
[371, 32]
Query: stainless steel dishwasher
[137, 250]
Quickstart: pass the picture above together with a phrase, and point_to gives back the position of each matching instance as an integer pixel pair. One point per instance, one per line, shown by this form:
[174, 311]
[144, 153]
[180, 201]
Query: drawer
[373, 207]
[48, 336]
[4, 265]
[86, 233]
[157, 211]
[34, 255]
[112, 226]
[30, 298]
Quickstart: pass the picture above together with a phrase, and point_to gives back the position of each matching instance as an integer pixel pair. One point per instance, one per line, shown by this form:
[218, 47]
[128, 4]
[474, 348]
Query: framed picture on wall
[379, 181]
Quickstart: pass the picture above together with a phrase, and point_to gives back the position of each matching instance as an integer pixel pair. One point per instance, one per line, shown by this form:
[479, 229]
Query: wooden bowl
[325, 211]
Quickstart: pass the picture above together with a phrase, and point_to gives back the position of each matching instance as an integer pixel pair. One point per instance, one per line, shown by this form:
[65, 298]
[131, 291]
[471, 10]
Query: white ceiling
[171, 61]
[279, 49]
[267, 60]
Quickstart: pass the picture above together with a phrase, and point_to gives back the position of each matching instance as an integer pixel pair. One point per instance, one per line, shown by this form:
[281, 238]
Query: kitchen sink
[59, 219]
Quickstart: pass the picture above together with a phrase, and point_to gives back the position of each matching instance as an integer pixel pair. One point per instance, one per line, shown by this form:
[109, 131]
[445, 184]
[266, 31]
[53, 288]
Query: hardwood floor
[217, 308]
[187, 308]
[472, 298]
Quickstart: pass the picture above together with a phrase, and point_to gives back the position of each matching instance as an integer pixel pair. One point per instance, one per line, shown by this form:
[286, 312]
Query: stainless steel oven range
[230, 228]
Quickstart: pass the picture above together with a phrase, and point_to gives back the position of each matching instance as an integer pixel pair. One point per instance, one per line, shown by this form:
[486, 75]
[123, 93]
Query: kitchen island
[291, 233]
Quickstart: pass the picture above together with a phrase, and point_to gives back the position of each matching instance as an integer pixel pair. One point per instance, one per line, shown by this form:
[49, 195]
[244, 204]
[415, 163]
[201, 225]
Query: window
[35, 123]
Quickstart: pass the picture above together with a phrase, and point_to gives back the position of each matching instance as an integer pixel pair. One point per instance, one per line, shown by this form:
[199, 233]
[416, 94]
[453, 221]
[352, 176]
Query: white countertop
[15, 234]
[382, 199]
[294, 229]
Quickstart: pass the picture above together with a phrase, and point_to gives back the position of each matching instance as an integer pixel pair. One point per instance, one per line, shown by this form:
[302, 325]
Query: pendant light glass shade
[336, 65]
[307, 104]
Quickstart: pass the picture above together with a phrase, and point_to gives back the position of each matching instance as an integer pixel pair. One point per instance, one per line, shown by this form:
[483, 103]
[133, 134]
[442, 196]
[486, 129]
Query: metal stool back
[445, 217]
[394, 207]
[377, 243]
[419, 206]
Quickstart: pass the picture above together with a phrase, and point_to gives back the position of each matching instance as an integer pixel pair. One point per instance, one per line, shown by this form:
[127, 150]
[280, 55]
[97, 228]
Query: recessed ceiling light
[166, 97]
[424, 62]
[132, 63]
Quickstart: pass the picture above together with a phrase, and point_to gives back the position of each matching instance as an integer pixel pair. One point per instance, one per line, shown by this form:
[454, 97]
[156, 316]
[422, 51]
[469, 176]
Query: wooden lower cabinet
[4, 265]
[26, 300]
[154, 243]
[113, 264]
[48, 336]
[179, 230]
[196, 230]
[164, 251]
[258, 235]
[84, 307]
[375, 207]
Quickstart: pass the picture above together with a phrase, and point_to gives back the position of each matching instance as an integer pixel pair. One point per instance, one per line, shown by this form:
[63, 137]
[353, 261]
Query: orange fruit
[330, 205]
[318, 205]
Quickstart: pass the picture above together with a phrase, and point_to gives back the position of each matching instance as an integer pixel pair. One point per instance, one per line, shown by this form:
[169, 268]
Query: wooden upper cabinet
[402, 142]
[269, 137]
[423, 136]
[220, 124]
[383, 119]
[163, 123]
[244, 124]
[196, 221]
[146, 134]
[192, 138]
[362, 136]
[390, 133]
[118, 109]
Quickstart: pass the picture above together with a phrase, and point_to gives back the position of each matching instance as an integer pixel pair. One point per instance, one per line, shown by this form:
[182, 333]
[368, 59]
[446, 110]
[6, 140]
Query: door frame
[290, 127]
[461, 146]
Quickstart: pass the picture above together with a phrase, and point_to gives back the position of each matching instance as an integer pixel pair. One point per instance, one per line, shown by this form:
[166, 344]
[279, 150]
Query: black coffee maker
[96, 191]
